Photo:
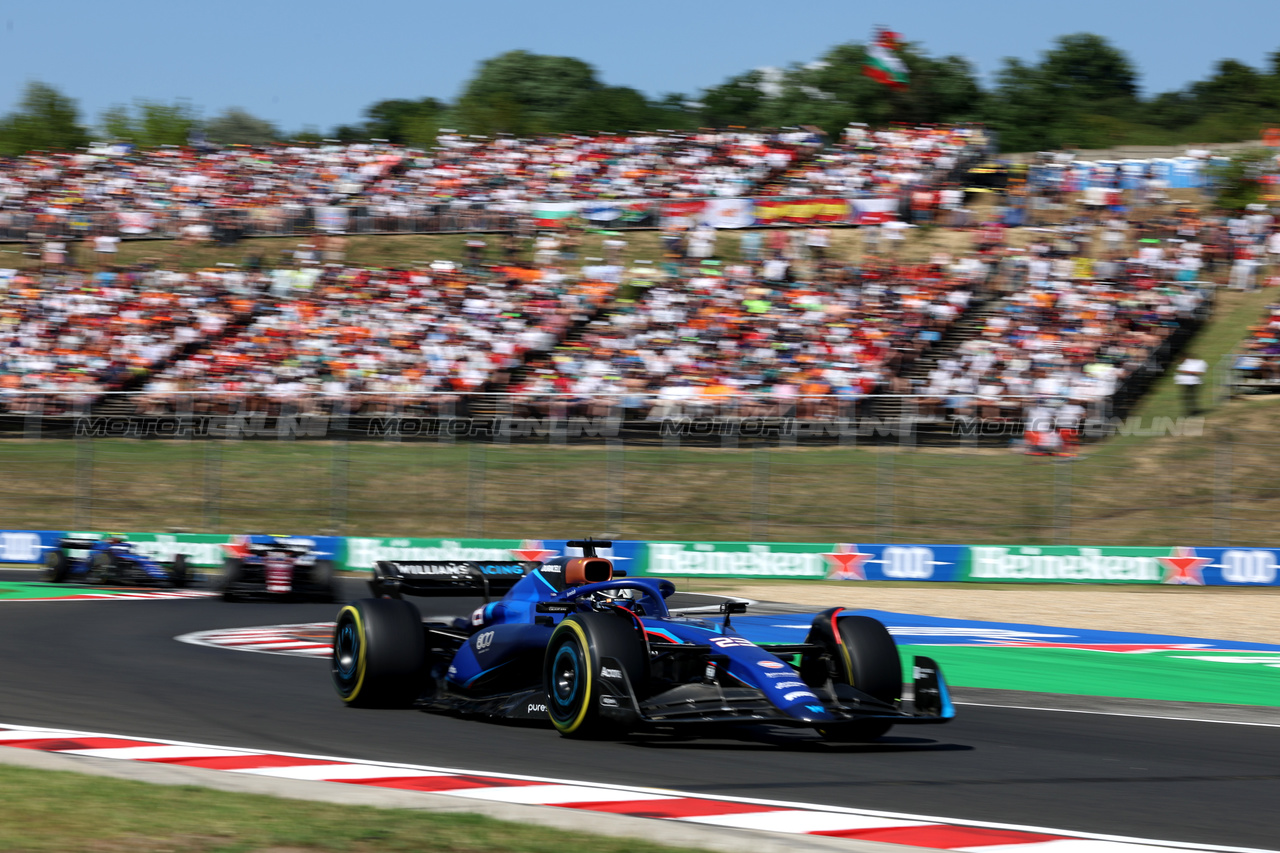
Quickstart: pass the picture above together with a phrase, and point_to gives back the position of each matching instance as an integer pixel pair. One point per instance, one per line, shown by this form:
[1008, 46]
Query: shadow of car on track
[765, 740]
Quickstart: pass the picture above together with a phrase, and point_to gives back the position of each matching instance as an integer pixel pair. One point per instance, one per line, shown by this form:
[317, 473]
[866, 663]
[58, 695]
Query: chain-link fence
[904, 469]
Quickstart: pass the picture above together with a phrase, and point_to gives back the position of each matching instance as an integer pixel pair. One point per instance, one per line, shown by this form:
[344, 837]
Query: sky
[319, 63]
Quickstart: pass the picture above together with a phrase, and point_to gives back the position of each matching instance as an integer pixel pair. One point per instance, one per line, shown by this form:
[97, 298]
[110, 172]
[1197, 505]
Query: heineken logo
[1033, 564]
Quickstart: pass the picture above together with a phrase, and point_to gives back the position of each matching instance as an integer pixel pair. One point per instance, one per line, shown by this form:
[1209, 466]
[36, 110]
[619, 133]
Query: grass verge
[58, 811]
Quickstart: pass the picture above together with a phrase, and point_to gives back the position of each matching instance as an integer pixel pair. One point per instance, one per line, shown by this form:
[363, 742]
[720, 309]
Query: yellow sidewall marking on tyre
[355, 616]
[570, 727]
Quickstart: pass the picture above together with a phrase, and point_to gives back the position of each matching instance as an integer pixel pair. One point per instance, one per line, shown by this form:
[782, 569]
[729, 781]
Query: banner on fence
[26, 546]
[837, 561]
[1172, 565]
[872, 211]
[136, 222]
[801, 211]
[332, 220]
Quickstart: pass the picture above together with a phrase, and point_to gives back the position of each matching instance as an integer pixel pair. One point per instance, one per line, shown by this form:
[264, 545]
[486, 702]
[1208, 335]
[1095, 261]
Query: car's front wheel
[105, 568]
[862, 655]
[57, 565]
[594, 664]
[379, 653]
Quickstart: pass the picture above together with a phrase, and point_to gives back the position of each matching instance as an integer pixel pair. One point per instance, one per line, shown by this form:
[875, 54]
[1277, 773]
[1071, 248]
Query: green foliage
[45, 120]
[150, 124]
[524, 93]
[1238, 179]
[235, 126]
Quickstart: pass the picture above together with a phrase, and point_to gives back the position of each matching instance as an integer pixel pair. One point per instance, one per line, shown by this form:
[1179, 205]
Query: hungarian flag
[883, 63]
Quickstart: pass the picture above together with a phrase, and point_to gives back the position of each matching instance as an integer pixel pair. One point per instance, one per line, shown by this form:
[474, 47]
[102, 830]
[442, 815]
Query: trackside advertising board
[362, 552]
[830, 561]
[846, 561]
[1174, 565]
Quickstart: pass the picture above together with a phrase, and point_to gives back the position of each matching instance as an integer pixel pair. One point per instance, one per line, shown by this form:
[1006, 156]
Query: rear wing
[487, 578]
[70, 544]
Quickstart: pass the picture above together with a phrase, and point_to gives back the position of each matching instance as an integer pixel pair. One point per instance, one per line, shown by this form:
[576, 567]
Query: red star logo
[531, 551]
[1183, 567]
[846, 562]
[237, 547]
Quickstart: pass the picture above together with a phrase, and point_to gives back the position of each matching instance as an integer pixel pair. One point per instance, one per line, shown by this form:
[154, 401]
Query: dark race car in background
[277, 567]
[575, 643]
[113, 561]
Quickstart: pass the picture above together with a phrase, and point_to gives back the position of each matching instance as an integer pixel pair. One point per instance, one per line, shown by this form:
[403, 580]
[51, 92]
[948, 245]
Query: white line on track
[1123, 714]
[1074, 842]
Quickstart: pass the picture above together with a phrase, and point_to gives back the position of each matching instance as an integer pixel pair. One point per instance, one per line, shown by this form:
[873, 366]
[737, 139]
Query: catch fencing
[810, 469]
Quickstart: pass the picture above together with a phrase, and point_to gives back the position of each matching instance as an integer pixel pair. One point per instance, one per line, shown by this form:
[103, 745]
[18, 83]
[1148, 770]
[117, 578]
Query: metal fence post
[83, 508]
[1062, 494]
[616, 464]
[476, 458]
[1222, 493]
[212, 486]
[760, 491]
[340, 472]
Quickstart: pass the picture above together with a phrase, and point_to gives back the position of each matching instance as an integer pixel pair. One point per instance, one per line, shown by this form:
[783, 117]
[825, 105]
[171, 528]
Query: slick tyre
[864, 656]
[232, 572]
[581, 702]
[180, 572]
[57, 566]
[104, 568]
[379, 654]
[324, 584]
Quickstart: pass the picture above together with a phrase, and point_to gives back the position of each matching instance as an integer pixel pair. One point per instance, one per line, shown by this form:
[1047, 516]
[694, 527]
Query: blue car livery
[113, 561]
[576, 643]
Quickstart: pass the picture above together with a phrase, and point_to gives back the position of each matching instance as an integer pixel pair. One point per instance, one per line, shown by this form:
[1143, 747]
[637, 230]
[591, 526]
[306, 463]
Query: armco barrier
[843, 561]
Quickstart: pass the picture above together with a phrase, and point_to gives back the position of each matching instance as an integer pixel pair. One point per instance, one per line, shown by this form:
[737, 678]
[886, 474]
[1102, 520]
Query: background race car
[114, 561]
[277, 567]
[576, 643]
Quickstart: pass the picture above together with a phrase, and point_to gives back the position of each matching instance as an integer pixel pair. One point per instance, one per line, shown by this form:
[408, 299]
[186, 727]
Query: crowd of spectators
[376, 340]
[66, 337]
[190, 191]
[884, 161]
[711, 342]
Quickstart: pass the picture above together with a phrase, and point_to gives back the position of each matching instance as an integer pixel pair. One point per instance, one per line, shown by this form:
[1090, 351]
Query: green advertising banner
[736, 559]
[202, 549]
[363, 551]
[1064, 564]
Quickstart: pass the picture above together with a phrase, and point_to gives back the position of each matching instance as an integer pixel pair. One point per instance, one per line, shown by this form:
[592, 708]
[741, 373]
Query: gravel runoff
[1248, 615]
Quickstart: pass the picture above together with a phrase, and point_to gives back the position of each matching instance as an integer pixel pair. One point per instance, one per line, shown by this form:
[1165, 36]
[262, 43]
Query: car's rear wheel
[232, 572]
[57, 565]
[179, 572]
[583, 674]
[863, 655]
[323, 581]
[379, 653]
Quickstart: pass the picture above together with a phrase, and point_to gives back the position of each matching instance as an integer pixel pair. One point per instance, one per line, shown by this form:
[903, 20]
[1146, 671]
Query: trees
[45, 119]
[235, 126]
[524, 93]
[150, 124]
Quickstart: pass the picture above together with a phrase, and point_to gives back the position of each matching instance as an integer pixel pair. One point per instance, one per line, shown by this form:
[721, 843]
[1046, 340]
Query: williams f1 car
[112, 560]
[577, 643]
[277, 567]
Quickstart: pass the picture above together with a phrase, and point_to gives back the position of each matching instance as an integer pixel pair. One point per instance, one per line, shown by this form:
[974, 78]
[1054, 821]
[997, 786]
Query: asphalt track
[114, 667]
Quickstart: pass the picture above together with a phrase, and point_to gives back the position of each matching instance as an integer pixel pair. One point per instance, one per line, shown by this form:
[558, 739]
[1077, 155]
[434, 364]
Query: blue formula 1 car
[113, 561]
[576, 643]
